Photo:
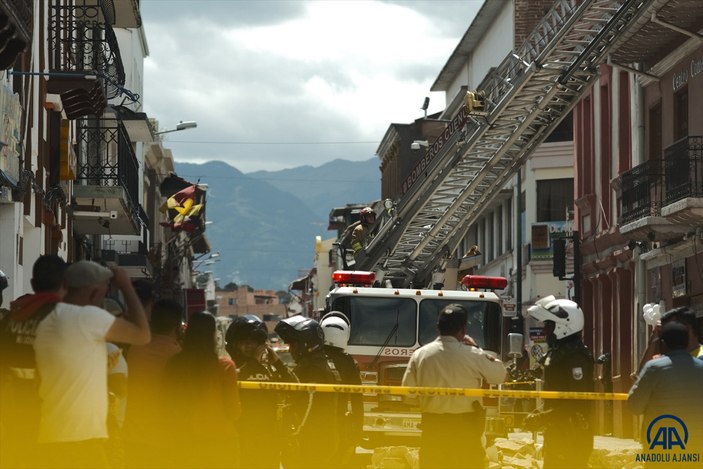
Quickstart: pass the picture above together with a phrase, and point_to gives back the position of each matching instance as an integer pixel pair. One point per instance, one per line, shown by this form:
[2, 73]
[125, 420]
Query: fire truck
[388, 324]
[412, 250]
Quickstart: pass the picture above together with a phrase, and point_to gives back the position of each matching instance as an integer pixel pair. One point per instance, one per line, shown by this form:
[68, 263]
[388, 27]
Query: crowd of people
[96, 372]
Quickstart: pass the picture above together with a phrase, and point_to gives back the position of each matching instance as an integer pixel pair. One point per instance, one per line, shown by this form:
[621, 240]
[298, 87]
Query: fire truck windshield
[410, 322]
[382, 321]
[483, 325]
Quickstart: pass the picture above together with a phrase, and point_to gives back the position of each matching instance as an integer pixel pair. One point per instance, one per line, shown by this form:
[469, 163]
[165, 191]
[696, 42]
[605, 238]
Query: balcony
[684, 182]
[17, 17]
[84, 61]
[132, 255]
[106, 191]
[118, 13]
[662, 199]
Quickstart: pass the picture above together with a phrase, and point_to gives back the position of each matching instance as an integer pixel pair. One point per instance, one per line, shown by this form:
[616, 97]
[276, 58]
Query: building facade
[82, 167]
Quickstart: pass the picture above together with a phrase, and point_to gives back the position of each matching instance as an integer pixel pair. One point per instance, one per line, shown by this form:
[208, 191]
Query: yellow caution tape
[426, 391]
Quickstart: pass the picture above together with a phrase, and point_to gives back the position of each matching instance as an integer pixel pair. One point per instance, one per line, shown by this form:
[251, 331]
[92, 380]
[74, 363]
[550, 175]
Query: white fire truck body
[387, 325]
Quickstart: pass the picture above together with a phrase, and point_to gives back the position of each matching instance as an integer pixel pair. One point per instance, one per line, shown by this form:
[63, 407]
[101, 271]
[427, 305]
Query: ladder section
[527, 96]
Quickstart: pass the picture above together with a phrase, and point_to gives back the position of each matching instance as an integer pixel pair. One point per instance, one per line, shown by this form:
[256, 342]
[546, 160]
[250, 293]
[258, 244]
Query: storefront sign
[543, 235]
[682, 76]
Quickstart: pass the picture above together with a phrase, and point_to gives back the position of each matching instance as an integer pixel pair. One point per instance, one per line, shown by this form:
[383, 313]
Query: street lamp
[183, 125]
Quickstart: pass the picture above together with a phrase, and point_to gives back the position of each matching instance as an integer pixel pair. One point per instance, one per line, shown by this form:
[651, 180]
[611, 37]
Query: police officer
[315, 412]
[246, 342]
[568, 366]
[335, 325]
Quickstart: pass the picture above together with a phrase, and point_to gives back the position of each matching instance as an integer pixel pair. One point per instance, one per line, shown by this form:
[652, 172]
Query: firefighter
[367, 218]
[312, 444]
[245, 342]
[335, 326]
[568, 366]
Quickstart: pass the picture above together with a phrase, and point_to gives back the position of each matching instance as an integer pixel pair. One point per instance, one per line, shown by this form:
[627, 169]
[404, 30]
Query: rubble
[394, 457]
[519, 451]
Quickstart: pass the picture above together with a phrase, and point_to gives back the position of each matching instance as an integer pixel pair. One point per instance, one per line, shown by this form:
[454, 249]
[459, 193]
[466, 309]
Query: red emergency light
[353, 277]
[474, 282]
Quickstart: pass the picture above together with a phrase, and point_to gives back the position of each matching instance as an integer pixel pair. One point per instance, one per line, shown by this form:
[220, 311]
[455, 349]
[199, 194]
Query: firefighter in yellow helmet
[367, 218]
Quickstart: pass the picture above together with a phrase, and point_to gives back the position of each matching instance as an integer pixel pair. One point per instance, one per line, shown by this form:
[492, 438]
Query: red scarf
[27, 306]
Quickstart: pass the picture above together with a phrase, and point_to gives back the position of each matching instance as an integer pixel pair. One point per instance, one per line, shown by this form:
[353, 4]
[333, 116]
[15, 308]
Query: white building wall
[133, 51]
[494, 47]
[323, 282]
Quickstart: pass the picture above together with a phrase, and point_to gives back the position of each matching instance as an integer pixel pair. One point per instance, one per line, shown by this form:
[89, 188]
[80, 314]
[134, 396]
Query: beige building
[246, 300]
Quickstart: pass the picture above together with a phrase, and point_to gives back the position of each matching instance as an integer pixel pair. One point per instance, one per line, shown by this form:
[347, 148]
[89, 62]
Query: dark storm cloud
[270, 87]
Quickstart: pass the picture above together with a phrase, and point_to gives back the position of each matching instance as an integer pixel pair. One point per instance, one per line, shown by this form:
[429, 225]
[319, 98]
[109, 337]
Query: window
[681, 114]
[484, 321]
[563, 132]
[554, 198]
[230, 301]
[499, 229]
[379, 321]
[655, 132]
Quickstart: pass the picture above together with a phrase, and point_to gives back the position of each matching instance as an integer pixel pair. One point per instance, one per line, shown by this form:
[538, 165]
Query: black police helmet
[304, 331]
[247, 328]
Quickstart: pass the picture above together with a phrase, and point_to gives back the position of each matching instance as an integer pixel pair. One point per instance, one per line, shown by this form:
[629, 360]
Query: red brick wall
[527, 14]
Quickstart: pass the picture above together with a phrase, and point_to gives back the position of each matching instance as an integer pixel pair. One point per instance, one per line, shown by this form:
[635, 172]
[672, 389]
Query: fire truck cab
[388, 324]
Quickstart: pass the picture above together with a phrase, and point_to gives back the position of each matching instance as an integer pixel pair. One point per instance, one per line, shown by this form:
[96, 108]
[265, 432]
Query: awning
[299, 284]
[80, 96]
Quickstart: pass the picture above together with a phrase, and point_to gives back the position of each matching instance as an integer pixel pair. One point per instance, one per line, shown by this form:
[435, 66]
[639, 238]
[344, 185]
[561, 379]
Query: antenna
[425, 105]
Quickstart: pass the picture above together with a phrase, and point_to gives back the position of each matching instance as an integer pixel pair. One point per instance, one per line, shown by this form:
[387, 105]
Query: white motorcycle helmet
[566, 315]
[335, 325]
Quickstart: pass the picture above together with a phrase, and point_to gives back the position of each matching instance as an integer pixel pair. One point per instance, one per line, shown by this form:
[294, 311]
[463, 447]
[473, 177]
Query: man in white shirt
[452, 361]
[71, 357]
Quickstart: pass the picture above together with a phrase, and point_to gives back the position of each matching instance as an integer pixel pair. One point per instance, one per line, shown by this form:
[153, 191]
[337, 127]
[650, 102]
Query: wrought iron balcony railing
[106, 158]
[82, 42]
[684, 169]
[17, 18]
[648, 187]
[642, 191]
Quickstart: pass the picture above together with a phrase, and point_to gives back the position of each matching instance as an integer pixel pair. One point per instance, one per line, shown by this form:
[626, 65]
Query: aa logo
[668, 432]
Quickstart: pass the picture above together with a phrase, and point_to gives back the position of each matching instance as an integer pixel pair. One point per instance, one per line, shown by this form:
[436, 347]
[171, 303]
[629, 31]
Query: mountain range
[264, 223]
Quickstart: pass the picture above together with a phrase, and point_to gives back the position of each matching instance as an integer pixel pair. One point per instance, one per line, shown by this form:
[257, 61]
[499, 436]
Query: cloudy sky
[280, 84]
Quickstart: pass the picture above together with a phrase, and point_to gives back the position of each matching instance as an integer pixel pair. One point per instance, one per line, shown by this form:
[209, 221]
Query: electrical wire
[235, 142]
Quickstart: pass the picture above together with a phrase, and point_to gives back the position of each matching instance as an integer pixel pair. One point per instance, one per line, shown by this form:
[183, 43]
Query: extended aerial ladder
[525, 98]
